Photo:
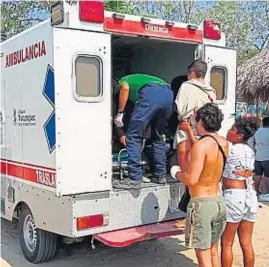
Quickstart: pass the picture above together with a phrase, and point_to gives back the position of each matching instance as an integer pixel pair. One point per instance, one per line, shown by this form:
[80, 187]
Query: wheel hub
[29, 232]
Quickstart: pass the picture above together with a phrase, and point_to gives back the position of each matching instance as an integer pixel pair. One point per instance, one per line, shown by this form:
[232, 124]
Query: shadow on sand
[155, 253]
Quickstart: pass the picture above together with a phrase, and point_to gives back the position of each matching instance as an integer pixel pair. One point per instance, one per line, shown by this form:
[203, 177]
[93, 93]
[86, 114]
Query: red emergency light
[92, 11]
[212, 30]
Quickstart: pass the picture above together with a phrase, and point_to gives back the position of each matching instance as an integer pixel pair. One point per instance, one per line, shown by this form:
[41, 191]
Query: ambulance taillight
[92, 221]
[91, 11]
[212, 30]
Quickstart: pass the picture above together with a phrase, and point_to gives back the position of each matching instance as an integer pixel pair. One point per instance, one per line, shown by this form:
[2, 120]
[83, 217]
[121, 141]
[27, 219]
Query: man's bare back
[206, 212]
[208, 183]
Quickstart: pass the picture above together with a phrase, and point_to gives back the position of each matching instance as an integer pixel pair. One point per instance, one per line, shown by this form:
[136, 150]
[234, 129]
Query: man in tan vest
[192, 95]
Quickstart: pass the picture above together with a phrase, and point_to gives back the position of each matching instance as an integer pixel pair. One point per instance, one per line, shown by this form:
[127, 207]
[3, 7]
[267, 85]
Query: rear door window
[218, 80]
[88, 82]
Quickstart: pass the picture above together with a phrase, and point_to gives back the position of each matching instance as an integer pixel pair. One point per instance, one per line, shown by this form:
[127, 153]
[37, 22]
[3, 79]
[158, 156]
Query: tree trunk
[257, 107]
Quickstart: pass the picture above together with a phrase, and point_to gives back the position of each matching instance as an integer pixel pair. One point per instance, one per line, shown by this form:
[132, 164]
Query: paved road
[167, 252]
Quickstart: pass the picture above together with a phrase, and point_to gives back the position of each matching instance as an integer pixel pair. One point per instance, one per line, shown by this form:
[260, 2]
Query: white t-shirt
[261, 143]
[241, 157]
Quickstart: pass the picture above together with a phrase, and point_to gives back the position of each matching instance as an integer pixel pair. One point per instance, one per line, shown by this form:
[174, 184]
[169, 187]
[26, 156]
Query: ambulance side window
[218, 80]
[88, 71]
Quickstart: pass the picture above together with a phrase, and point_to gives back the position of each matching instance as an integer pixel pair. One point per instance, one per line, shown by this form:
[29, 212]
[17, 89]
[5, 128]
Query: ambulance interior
[164, 59]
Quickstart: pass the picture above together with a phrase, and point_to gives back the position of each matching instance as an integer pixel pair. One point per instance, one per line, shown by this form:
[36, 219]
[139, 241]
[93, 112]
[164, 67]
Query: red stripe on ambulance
[28, 164]
[3, 167]
[29, 173]
[154, 30]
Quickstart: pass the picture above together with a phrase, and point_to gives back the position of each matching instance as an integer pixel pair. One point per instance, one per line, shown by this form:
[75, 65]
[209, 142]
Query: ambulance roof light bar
[92, 11]
[212, 30]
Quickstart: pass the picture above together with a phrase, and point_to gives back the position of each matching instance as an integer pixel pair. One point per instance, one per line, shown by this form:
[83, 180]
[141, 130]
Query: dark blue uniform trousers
[154, 107]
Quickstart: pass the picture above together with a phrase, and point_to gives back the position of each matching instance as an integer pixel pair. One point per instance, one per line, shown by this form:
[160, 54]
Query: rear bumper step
[127, 237]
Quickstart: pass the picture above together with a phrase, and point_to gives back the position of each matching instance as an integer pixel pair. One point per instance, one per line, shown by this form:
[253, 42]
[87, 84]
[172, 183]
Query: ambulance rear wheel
[37, 245]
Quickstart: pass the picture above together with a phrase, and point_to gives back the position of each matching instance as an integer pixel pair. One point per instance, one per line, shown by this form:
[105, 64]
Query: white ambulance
[56, 123]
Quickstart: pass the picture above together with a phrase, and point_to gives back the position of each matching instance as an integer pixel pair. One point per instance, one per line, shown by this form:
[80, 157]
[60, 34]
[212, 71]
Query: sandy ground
[168, 252]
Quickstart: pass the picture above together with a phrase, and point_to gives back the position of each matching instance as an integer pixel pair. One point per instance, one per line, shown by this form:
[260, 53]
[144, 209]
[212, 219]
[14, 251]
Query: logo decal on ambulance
[48, 92]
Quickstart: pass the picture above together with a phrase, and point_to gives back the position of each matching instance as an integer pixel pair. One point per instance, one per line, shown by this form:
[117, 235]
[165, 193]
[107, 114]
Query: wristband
[120, 111]
[174, 170]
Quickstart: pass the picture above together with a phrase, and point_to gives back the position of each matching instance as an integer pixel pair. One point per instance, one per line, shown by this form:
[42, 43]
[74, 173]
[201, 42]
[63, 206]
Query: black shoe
[158, 180]
[128, 184]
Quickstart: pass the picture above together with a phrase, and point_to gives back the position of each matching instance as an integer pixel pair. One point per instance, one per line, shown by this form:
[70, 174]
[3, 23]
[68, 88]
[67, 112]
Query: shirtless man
[206, 212]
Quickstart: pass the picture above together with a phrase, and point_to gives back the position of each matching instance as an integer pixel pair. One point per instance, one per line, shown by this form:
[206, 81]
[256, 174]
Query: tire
[37, 245]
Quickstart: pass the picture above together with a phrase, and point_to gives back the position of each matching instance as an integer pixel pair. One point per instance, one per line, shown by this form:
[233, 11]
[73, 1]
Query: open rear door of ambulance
[82, 65]
[221, 75]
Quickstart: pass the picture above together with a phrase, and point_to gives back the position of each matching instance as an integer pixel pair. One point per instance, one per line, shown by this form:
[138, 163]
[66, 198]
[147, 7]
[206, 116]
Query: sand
[169, 252]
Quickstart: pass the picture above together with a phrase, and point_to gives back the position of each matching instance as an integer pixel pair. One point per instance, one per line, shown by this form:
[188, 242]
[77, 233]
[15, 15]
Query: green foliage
[234, 22]
[259, 13]
[17, 16]
[117, 6]
[245, 24]
[247, 54]
[168, 10]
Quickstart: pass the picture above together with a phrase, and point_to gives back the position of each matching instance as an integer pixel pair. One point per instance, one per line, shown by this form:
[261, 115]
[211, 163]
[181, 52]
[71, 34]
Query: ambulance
[57, 157]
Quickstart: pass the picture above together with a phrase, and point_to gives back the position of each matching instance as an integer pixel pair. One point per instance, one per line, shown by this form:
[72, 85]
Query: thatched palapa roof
[253, 78]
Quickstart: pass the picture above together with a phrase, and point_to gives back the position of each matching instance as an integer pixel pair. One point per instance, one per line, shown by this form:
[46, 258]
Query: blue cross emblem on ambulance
[48, 92]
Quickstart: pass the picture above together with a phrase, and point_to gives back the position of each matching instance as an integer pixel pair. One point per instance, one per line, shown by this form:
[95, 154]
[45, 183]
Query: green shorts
[206, 221]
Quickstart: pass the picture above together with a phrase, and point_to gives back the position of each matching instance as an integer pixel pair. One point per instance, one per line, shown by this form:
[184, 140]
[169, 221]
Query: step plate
[127, 237]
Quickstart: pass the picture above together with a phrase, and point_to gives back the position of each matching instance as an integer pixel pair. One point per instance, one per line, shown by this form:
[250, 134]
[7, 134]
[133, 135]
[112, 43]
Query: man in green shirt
[153, 100]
